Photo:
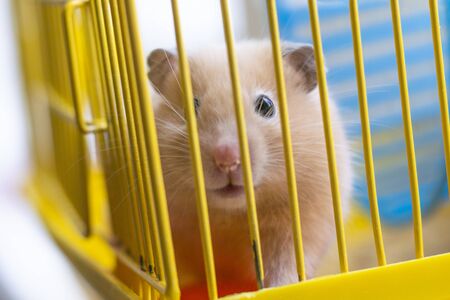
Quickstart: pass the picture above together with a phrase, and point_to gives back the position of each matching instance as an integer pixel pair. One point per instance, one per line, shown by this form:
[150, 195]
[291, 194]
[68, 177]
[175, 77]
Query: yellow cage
[86, 86]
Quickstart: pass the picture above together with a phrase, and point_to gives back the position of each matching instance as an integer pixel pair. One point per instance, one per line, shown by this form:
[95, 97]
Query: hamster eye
[196, 104]
[264, 106]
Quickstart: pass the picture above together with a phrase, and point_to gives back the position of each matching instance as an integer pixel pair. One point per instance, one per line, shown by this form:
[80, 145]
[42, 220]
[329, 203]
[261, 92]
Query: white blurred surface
[201, 23]
[13, 147]
[31, 266]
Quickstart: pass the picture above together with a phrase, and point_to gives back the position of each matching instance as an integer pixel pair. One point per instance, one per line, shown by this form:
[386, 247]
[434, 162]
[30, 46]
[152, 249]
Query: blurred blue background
[383, 94]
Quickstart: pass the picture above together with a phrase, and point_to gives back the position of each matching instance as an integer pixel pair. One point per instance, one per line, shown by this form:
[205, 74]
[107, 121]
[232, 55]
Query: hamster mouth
[230, 191]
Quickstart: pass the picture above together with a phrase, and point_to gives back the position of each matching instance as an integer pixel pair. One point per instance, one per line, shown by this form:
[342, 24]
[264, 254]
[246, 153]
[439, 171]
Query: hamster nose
[227, 158]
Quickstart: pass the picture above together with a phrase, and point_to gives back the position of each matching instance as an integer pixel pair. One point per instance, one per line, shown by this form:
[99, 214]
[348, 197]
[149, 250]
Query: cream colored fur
[228, 217]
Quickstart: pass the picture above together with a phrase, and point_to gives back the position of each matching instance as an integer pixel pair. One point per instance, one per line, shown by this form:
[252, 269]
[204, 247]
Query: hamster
[219, 146]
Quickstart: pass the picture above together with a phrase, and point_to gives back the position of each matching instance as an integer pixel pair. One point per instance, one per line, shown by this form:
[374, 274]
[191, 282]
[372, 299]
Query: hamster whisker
[125, 197]
[179, 182]
[160, 120]
[97, 151]
[174, 147]
[167, 103]
[320, 124]
[306, 143]
[174, 128]
[182, 142]
[178, 139]
[173, 72]
[174, 173]
[106, 149]
[172, 156]
[123, 166]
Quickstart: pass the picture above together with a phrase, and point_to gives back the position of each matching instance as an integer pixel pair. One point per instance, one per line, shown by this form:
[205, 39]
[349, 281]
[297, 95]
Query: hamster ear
[301, 57]
[162, 64]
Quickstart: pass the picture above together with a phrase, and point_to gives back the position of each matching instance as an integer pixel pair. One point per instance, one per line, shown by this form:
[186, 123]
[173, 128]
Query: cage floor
[398, 241]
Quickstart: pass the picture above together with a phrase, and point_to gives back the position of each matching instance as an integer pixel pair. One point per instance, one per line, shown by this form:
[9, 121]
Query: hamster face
[219, 145]
[219, 141]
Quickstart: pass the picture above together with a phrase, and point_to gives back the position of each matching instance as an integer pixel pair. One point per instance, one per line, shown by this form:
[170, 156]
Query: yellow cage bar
[365, 124]
[245, 154]
[407, 123]
[323, 89]
[202, 208]
[159, 197]
[442, 87]
[86, 84]
[124, 127]
[287, 143]
[116, 181]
